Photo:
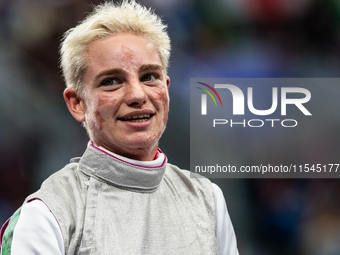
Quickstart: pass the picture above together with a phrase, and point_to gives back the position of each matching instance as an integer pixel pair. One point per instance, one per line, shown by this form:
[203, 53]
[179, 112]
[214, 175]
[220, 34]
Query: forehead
[122, 48]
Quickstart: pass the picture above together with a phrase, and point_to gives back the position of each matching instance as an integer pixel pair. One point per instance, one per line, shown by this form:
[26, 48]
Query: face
[125, 98]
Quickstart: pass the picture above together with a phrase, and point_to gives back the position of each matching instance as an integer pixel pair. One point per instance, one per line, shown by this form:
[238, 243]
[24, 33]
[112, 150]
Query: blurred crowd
[210, 39]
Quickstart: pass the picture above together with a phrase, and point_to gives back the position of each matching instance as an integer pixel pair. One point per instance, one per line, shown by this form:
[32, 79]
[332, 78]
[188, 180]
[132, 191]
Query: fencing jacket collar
[119, 173]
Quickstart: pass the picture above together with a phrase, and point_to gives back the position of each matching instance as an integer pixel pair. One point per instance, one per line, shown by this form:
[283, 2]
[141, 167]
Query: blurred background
[210, 39]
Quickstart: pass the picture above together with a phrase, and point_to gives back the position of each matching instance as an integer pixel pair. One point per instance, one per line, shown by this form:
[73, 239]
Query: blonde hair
[106, 20]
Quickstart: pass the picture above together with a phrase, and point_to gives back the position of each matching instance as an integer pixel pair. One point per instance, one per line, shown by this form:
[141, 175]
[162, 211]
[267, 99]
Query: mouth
[137, 118]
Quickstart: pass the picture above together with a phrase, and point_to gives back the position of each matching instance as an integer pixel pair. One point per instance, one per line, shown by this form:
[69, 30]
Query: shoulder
[65, 183]
[64, 175]
[62, 190]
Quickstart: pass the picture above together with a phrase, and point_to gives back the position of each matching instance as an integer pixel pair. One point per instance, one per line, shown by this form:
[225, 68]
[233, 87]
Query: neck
[140, 154]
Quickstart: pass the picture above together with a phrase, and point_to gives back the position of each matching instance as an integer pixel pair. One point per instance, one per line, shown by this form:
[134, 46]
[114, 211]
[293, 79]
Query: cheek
[163, 98]
[99, 111]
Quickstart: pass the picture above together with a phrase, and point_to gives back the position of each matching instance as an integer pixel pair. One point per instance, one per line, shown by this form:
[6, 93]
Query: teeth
[139, 118]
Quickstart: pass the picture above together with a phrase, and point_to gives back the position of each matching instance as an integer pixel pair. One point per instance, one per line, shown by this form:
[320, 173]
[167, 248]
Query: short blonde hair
[106, 20]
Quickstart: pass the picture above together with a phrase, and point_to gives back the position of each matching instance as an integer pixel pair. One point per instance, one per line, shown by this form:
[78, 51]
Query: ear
[167, 81]
[74, 104]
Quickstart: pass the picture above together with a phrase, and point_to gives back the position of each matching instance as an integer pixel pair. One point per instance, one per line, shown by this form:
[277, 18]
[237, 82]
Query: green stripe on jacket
[8, 235]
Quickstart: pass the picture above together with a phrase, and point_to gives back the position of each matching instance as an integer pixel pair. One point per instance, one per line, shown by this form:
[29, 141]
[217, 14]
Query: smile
[138, 118]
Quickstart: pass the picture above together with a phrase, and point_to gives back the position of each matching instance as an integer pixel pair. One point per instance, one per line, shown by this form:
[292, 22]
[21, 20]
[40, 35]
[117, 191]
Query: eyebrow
[119, 71]
[150, 67]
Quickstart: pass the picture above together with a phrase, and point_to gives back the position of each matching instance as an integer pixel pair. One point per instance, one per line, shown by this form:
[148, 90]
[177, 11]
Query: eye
[110, 82]
[149, 77]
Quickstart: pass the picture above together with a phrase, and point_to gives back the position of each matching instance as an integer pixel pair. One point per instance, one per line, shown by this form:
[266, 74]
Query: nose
[135, 95]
